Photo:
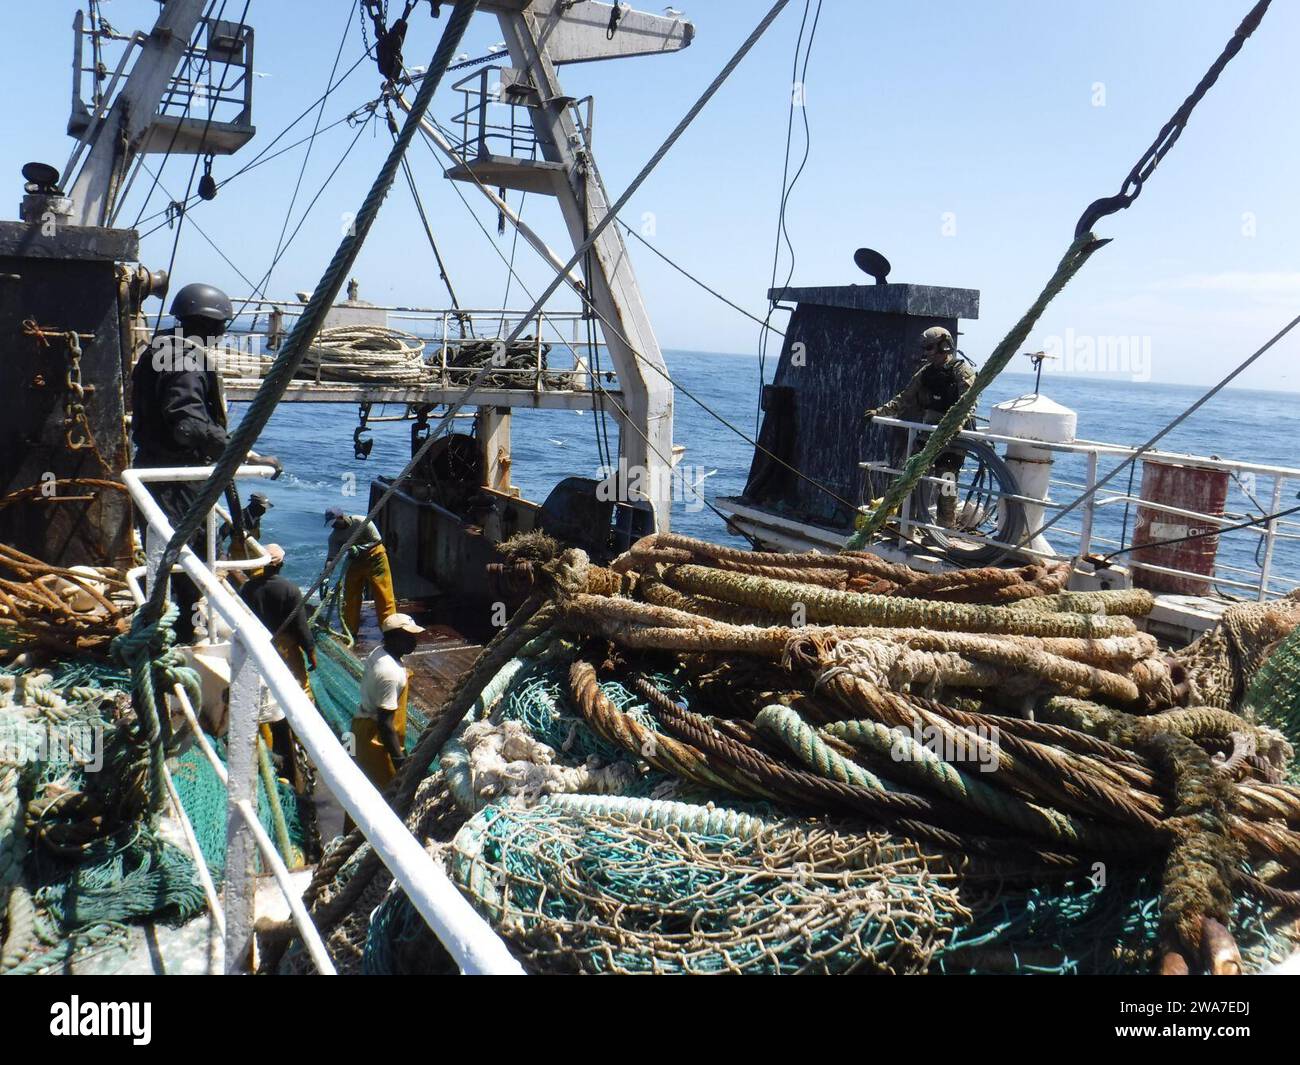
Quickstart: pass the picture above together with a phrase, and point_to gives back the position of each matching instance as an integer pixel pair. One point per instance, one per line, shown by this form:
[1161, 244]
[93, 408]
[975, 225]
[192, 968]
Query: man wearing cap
[379, 727]
[933, 389]
[367, 566]
[277, 603]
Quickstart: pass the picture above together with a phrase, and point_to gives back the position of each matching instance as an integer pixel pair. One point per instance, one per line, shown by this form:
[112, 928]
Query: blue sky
[982, 116]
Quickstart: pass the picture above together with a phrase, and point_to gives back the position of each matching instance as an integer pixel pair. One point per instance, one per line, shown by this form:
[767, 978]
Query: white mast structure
[540, 36]
[156, 111]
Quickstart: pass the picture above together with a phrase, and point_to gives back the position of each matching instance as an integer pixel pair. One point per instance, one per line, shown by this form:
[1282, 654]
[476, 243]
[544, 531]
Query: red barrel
[1188, 488]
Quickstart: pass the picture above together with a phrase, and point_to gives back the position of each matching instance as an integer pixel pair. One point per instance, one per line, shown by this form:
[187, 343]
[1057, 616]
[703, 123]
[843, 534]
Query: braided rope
[851, 608]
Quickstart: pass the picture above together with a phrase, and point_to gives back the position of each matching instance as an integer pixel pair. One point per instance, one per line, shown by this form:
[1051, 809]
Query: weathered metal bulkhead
[847, 348]
[57, 280]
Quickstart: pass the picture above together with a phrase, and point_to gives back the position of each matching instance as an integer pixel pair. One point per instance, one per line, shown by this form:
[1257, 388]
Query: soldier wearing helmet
[178, 415]
[933, 389]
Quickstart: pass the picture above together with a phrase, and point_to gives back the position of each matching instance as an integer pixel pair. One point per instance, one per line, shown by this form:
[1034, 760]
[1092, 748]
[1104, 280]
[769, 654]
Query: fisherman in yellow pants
[379, 727]
[367, 567]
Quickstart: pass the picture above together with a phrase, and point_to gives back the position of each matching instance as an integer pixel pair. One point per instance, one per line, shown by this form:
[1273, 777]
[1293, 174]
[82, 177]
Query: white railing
[470, 941]
[1262, 582]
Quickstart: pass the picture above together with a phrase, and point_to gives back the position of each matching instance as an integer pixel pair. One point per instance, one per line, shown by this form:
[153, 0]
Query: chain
[76, 429]
[77, 435]
[1172, 130]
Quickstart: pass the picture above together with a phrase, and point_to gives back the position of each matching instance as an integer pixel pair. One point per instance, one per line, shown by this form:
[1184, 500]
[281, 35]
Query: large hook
[362, 443]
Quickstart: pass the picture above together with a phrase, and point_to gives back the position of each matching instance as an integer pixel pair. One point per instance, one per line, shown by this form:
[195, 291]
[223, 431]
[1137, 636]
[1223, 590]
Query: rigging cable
[599, 419]
[560, 278]
[695, 280]
[173, 88]
[203, 233]
[361, 128]
[306, 158]
[593, 313]
[261, 157]
[194, 169]
[641, 358]
[1171, 130]
[562, 275]
[289, 359]
[1139, 452]
[424, 218]
[797, 102]
[510, 267]
[349, 118]
[1082, 247]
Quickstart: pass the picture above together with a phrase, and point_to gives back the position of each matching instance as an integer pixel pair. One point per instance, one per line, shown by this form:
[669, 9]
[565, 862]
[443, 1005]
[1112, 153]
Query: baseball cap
[400, 623]
[276, 552]
[334, 513]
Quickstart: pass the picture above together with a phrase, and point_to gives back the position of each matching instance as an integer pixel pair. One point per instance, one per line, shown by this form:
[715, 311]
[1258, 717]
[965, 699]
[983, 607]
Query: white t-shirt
[381, 684]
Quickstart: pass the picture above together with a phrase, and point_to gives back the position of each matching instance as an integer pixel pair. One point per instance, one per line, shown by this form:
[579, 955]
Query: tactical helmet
[937, 337]
[203, 301]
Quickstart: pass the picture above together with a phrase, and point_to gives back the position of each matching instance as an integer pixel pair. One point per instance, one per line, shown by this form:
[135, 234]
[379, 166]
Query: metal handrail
[470, 941]
[1268, 532]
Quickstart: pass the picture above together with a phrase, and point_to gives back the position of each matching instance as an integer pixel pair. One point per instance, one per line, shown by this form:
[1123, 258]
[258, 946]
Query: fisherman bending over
[277, 603]
[367, 566]
[178, 416]
[933, 389]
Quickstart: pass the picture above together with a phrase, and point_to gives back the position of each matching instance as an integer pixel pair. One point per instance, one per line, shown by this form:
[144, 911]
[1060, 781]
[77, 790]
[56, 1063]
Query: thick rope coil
[849, 608]
[156, 667]
[959, 659]
[925, 766]
[1127, 602]
[1203, 860]
[20, 929]
[13, 836]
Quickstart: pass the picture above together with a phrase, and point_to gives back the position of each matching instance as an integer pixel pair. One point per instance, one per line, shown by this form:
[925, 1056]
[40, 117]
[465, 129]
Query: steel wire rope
[787, 186]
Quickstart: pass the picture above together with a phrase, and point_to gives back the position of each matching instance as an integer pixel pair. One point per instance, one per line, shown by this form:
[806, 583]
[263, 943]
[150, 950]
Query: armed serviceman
[933, 389]
[367, 566]
[178, 416]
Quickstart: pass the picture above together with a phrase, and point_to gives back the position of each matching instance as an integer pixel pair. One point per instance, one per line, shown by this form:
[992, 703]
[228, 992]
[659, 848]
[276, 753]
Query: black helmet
[202, 301]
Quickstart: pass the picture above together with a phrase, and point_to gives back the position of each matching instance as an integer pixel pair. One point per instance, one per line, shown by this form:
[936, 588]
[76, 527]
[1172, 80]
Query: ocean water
[314, 441]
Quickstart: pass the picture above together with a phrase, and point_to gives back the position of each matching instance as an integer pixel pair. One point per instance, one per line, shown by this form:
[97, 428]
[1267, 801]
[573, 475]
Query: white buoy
[1033, 417]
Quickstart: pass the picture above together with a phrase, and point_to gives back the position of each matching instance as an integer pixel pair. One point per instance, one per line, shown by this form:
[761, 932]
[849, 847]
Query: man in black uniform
[933, 389]
[178, 417]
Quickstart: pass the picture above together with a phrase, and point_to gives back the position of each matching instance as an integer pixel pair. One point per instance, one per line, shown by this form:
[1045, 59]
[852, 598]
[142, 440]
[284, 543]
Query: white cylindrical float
[1033, 417]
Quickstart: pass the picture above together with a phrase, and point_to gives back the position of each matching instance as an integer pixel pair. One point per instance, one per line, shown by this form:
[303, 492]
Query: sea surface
[314, 441]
